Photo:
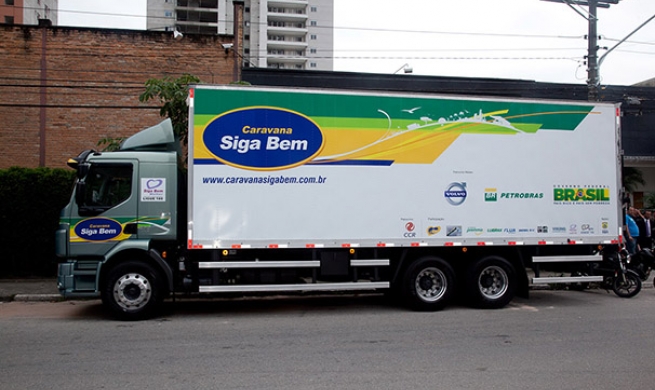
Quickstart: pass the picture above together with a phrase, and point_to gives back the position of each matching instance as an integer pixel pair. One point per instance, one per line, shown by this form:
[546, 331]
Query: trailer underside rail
[536, 260]
[295, 287]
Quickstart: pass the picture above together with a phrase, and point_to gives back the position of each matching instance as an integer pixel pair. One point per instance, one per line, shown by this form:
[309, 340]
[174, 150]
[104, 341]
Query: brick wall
[63, 89]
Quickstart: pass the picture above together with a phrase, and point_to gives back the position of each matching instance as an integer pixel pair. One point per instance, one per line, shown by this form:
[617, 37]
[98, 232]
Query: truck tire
[133, 291]
[491, 282]
[428, 284]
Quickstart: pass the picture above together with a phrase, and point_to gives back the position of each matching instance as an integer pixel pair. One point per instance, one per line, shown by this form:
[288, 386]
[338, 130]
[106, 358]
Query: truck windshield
[106, 187]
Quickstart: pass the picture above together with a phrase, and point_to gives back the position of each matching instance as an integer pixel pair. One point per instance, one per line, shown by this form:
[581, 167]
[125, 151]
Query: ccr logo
[409, 230]
[456, 193]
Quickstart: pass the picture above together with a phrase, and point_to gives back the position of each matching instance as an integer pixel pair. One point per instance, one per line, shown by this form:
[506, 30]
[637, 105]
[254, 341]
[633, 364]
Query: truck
[428, 198]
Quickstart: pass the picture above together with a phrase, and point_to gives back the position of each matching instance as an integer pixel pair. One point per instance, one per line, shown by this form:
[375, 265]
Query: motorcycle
[642, 263]
[625, 282]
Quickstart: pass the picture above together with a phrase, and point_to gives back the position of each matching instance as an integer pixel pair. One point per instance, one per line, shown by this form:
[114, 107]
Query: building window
[313, 51]
[246, 37]
[312, 37]
[9, 20]
[312, 64]
[313, 9]
[312, 23]
[9, 2]
[168, 14]
[246, 9]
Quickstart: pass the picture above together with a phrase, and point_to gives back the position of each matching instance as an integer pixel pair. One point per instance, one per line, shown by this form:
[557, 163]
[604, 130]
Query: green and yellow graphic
[384, 130]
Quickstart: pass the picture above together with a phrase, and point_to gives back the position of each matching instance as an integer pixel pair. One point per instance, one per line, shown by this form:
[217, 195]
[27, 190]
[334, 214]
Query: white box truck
[293, 190]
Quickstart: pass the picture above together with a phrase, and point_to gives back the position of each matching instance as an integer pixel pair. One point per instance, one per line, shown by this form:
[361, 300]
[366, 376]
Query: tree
[173, 94]
[631, 178]
[111, 143]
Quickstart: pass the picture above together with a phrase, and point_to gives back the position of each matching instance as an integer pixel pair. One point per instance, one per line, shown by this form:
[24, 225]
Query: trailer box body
[298, 168]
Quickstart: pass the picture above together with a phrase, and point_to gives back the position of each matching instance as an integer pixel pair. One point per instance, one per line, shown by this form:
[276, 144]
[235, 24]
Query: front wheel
[491, 282]
[428, 284]
[133, 291]
[630, 287]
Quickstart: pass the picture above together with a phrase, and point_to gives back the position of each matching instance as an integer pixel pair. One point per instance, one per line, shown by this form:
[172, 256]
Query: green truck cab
[123, 212]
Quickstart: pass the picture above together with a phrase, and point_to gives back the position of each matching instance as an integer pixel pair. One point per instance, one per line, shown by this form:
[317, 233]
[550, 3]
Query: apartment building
[280, 34]
[28, 12]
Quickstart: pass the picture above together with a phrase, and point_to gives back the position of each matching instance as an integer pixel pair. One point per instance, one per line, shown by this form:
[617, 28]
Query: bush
[30, 204]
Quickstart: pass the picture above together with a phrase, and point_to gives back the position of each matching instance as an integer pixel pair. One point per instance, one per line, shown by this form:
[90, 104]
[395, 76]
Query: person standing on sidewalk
[631, 231]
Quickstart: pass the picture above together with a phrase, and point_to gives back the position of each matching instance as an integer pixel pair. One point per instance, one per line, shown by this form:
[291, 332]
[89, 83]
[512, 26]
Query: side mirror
[82, 170]
[80, 190]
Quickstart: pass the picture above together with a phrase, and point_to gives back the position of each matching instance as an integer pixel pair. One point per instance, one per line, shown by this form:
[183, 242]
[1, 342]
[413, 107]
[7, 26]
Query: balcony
[285, 42]
[288, 3]
[287, 28]
[287, 14]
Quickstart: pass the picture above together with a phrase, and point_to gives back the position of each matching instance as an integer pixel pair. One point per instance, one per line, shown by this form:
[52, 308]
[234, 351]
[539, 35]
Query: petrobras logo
[490, 195]
[263, 138]
[456, 193]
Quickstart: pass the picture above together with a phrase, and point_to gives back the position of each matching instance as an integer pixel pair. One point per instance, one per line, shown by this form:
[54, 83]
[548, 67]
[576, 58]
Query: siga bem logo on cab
[263, 138]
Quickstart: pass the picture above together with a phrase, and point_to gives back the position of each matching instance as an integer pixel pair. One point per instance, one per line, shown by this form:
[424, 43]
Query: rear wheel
[133, 291]
[428, 284]
[491, 282]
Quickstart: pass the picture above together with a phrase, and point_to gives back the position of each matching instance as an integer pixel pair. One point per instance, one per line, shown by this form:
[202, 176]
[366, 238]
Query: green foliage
[631, 178]
[649, 200]
[172, 93]
[30, 204]
[112, 144]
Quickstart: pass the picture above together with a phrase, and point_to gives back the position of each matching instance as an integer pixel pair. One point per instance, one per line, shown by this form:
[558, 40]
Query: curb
[33, 298]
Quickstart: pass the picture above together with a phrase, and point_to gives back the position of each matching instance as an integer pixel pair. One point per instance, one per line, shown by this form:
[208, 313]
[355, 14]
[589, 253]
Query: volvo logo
[455, 193]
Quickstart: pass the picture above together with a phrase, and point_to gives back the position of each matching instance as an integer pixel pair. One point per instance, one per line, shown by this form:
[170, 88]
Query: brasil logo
[581, 195]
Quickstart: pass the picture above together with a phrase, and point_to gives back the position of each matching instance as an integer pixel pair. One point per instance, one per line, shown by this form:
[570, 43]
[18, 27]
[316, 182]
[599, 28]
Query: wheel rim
[431, 284]
[132, 291]
[629, 286]
[493, 282]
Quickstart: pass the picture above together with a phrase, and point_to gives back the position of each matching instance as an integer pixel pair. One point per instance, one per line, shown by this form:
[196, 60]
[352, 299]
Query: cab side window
[106, 186]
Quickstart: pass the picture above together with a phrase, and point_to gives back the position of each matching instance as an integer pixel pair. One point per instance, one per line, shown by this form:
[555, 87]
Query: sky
[516, 39]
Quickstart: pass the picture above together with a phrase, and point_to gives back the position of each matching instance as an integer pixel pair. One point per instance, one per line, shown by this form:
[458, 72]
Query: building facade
[279, 34]
[56, 102]
[28, 12]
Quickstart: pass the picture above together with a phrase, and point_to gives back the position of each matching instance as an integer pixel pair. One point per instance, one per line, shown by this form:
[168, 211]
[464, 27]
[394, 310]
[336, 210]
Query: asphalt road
[555, 340]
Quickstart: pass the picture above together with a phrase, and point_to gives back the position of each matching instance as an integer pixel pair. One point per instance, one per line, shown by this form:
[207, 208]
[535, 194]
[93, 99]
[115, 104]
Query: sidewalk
[44, 290]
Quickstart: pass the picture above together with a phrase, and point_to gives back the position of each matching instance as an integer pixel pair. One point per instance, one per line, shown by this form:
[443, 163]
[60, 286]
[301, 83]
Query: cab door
[106, 208]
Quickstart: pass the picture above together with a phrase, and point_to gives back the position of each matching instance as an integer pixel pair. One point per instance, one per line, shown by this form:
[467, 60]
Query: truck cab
[124, 205]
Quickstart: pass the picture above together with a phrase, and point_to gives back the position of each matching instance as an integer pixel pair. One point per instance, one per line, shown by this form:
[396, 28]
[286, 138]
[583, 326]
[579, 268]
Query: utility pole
[593, 75]
[593, 78]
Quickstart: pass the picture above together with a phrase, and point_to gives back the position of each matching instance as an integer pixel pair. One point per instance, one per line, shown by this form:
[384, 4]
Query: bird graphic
[411, 110]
